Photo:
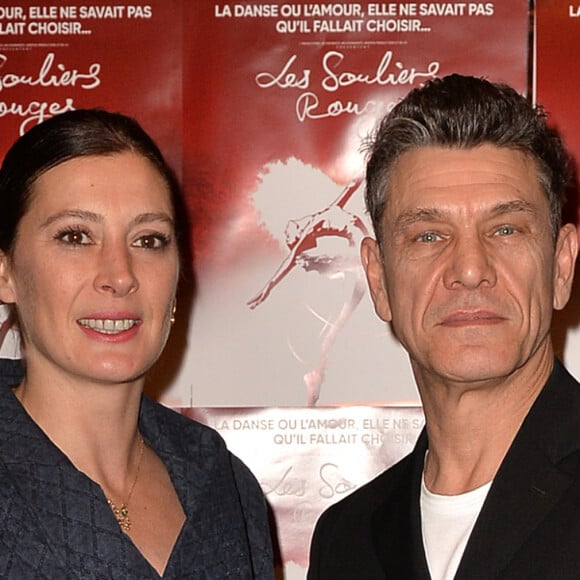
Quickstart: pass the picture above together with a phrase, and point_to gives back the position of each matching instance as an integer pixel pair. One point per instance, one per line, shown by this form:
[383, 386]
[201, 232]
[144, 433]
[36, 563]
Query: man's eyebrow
[418, 214]
[515, 206]
[433, 214]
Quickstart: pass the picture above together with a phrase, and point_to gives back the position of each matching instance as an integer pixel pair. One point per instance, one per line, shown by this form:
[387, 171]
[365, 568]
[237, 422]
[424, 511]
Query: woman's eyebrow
[149, 217]
[73, 213]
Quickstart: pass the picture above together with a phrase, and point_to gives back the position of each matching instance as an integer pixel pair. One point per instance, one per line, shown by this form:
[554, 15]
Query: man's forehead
[445, 179]
[465, 212]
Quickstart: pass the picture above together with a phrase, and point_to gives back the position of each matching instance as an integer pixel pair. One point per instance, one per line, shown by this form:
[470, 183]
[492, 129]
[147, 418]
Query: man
[465, 185]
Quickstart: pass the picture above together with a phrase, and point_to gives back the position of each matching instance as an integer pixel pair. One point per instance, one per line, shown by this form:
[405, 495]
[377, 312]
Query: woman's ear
[7, 294]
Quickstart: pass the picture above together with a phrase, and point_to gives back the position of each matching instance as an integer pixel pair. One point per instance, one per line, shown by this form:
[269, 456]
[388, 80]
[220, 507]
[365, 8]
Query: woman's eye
[152, 242]
[74, 237]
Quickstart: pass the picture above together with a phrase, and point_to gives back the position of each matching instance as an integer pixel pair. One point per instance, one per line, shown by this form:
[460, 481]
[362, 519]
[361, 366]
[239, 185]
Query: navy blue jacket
[55, 521]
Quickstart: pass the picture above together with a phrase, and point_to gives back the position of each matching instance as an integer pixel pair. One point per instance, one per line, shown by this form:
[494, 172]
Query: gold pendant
[121, 515]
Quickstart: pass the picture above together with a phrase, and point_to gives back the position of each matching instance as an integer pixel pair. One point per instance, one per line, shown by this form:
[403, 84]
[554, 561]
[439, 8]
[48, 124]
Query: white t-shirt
[447, 521]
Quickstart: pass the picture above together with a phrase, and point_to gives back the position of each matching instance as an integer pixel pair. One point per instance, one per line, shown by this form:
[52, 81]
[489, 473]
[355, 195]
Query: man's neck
[471, 428]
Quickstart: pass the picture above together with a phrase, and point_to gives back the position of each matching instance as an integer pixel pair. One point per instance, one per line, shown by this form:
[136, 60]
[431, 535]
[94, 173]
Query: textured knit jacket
[55, 522]
[528, 527]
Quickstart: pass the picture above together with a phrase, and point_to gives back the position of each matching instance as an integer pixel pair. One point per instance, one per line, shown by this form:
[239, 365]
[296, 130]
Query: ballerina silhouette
[302, 237]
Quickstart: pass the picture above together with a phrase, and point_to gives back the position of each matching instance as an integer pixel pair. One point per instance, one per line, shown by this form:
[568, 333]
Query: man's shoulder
[343, 545]
[552, 423]
[358, 507]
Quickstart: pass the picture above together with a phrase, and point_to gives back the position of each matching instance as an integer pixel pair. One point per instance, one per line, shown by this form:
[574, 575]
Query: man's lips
[472, 318]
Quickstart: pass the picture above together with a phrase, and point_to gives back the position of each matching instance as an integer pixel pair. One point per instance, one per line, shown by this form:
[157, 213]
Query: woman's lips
[110, 328]
[108, 325]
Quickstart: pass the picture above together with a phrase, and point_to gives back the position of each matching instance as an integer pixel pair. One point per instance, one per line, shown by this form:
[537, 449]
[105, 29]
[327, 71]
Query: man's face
[469, 273]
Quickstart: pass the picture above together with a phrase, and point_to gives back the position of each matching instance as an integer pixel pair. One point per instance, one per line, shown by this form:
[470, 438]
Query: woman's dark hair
[464, 112]
[80, 133]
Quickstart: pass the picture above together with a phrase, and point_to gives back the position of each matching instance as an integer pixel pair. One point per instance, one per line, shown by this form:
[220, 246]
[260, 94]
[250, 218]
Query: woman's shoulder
[167, 424]
[192, 441]
[11, 372]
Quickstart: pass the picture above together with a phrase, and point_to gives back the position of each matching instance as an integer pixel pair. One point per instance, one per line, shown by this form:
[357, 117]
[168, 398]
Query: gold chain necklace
[122, 513]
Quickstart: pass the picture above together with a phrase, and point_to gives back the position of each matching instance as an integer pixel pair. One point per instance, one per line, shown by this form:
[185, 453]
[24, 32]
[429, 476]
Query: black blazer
[528, 528]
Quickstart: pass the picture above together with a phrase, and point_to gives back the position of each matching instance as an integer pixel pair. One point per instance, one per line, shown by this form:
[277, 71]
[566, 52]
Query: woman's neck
[94, 425]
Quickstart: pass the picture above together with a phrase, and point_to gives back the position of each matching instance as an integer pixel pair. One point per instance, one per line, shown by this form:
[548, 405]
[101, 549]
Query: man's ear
[373, 266]
[564, 264]
[7, 295]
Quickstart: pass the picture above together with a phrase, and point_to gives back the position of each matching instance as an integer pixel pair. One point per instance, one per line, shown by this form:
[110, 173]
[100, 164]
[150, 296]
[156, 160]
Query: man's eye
[152, 242]
[428, 237]
[505, 231]
[74, 237]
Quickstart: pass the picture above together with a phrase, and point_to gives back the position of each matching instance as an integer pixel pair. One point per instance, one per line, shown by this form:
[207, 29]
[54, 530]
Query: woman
[97, 481]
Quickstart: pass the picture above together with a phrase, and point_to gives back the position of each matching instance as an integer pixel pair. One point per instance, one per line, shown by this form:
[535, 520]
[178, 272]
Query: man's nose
[470, 264]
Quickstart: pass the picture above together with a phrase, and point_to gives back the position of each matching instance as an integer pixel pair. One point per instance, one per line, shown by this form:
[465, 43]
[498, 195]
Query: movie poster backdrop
[263, 109]
[556, 87]
[279, 98]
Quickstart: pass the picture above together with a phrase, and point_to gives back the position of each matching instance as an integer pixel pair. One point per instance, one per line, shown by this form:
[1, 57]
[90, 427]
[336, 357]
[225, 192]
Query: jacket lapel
[529, 482]
[397, 522]
[518, 501]
[60, 502]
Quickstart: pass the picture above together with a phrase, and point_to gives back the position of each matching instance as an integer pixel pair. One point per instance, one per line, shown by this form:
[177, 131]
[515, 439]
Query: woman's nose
[116, 273]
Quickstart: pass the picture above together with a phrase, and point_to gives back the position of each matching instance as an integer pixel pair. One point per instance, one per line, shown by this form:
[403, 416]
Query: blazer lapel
[397, 523]
[518, 501]
[60, 501]
[529, 483]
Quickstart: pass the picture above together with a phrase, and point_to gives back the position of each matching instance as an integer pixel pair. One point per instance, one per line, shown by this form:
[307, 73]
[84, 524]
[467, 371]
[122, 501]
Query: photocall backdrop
[263, 109]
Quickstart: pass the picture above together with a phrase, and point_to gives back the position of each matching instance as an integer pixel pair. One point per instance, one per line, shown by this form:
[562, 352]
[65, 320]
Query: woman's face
[94, 269]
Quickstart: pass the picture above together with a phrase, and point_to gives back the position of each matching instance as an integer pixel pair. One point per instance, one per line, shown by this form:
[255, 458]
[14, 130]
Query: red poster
[68, 54]
[556, 61]
[279, 98]
[311, 458]
[267, 106]
[556, 84]
[264, 108]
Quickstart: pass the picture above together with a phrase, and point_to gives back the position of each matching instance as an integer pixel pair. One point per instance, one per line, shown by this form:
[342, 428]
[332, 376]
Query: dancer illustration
[302, 237]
